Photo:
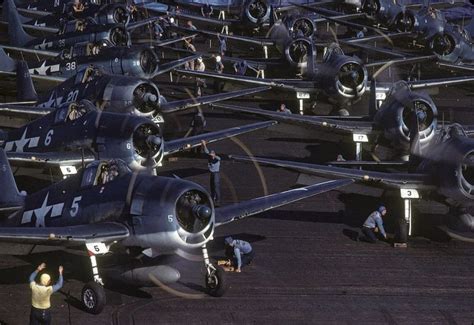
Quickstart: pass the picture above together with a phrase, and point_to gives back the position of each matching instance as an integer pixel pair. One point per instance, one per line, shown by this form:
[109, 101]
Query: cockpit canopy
[103, 172]
[73, 111]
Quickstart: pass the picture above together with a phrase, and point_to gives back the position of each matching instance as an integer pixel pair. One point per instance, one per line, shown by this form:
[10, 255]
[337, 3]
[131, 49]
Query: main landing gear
[93, 294]
[216, 284]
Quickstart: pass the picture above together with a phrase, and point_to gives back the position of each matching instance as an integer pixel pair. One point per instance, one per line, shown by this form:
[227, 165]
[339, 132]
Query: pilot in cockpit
[75, 112]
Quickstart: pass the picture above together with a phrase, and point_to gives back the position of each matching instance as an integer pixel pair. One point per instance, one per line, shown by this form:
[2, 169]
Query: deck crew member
[373, 222]
[41, 294]
[239, 251]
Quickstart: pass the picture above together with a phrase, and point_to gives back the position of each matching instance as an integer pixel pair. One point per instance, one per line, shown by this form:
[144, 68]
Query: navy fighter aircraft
[107, 207]
[386, 132]
[428, 26]
[241, 16]
[115, 34]
[135, 61]
[78, 133]
[441, 171]
[113, 93]
[341, 79]
[112, 13]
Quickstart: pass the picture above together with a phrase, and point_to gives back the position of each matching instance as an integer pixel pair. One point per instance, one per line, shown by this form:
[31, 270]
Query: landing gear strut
[405, 225]
[216, 284]
[93, 293]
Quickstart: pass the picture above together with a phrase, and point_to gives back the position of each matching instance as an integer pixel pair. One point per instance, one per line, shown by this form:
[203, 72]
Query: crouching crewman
[240, 252]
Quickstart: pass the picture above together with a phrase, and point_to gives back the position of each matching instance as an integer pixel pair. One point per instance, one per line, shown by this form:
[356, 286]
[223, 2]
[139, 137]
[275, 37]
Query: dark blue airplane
[129, 215]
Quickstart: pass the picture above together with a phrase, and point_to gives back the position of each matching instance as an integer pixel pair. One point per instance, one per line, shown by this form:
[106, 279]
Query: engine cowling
[257, 11]
[371, 7]
[171, 214]
[300, 26]
[404, 21]
[297, 51]
[397, 113]
[452, 45]
[125, 95]
[143, 63]
[148, 145]
[119, 36]
[351, 79]
[453, 158]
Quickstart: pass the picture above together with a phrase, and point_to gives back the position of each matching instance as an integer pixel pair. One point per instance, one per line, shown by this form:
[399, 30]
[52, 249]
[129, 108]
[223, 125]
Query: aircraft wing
[141, 23]
[166, 67]
[22, 111]
[50, 159]
[99, 232]
[401, 60]
[439, 82]
[180, 15]
[167, 42]
[184, 104]
[459, 66]
[312, 122]
[251, 80]
[41, 54]
[343, 22]
[211, 21]
[385, 179]
[248, 208]
[178, 145]
[52, 80]
[39, 29]
[250, 40]
[437, 5]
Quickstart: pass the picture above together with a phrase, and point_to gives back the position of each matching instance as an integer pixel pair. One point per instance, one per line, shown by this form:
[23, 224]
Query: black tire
[93, 298]
[216, 283]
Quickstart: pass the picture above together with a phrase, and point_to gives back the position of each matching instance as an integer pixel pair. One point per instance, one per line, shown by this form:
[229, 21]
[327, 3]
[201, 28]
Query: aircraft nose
[150, 98]
[202, 212]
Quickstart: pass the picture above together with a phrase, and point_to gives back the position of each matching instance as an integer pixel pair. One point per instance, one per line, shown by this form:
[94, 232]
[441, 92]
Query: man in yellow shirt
[41, 294]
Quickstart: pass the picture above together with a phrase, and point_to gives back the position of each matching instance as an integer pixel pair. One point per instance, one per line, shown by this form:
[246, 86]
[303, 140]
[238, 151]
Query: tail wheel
[216, 284]
[93, 298]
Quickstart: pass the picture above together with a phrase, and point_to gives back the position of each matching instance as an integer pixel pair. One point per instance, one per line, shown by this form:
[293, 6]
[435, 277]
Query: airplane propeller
[148, 144]
[193, 211]
[371, 7]
[351, 75]
[443, 44]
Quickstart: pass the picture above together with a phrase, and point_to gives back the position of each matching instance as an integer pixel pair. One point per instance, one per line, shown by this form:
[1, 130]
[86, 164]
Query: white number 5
[75, 206]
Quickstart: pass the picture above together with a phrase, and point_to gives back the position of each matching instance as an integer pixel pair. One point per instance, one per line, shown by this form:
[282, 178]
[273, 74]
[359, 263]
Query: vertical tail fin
[16, 33]
[9, 195]
[24, 84]
[6, 62]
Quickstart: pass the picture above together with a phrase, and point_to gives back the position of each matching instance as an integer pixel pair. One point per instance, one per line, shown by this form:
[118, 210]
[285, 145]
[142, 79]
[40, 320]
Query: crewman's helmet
[228, 240]
[45, 279]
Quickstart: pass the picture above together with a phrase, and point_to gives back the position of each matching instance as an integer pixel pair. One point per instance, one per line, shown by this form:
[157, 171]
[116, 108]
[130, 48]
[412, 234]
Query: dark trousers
[40, 316]
[246, 259]
[369, 235]
[215, 187]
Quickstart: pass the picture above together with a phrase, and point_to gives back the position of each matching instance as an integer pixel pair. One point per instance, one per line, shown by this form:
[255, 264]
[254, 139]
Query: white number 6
[47, 140]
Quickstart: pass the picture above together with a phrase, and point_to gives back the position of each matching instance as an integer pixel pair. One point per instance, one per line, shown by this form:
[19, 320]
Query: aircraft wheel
[216, 283]
[343, 112]
[93, 297]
